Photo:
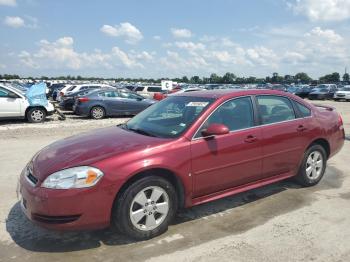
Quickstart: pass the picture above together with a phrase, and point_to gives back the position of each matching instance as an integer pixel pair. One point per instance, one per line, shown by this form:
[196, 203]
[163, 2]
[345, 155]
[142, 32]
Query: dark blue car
[110, 102]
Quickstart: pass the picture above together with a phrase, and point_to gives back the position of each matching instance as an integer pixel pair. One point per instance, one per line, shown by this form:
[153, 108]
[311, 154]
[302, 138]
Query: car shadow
[34, 238]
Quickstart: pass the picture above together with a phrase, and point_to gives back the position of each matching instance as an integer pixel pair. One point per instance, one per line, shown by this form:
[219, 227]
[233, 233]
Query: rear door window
[274, 109]
[139, 88]
[304, 111]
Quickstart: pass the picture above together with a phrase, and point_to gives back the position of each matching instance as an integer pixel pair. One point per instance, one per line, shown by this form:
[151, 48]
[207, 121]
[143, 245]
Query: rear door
[9, 107]
[132, 103]
[229, 160]
[113, 102]
[282, 135]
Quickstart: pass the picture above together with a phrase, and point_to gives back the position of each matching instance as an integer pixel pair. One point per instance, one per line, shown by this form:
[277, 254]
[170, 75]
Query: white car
[14, 104]
[342, 94]
[148, 91]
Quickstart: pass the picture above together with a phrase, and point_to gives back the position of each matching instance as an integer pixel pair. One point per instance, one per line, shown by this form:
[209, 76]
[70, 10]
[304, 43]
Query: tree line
[228, 78]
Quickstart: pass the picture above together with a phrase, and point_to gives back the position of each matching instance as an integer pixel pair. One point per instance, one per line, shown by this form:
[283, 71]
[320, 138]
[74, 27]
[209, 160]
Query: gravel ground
[279, 222]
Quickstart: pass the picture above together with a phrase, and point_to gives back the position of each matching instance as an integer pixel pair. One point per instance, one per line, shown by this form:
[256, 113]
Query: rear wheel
[145, 209]
[313, 166]
[97, 112]
[36, 115]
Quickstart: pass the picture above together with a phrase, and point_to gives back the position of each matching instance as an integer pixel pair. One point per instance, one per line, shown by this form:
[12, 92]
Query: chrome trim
[262, 125]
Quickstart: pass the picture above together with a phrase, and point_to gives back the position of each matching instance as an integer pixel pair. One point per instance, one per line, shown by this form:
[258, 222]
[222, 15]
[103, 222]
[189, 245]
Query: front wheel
[145, 209]
[313, 166]
[36, 115]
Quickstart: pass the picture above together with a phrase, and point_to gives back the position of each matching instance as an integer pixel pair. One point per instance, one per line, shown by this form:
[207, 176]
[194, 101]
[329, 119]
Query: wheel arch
[31, 107]
[324, 143]
[160, 172]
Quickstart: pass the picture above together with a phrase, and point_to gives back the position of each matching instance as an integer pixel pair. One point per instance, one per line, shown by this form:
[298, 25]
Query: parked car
[148, 91]
[322, 92]
[54, 89]
[15, 105]
[303, 91]
[343, 94]
[110, 102]
[293, 89]
[67, 101]
[164, 94]
[188, 149]
[77, 88]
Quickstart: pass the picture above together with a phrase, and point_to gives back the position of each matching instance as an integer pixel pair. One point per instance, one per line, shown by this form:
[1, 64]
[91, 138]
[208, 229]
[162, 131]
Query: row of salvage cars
[322, 92]
[99, 101]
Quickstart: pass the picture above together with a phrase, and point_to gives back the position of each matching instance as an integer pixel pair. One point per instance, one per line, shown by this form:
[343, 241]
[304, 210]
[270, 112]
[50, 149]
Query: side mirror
[12, 95]
[215, 130]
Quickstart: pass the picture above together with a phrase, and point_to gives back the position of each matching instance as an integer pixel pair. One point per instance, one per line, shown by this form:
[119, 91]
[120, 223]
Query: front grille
[340, 95]
[55, 219]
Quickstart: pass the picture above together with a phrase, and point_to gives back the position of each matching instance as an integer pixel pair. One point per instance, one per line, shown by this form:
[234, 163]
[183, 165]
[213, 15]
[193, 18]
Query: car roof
[228, 93]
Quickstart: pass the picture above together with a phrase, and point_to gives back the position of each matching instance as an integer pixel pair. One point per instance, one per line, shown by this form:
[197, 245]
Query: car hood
[88, 148]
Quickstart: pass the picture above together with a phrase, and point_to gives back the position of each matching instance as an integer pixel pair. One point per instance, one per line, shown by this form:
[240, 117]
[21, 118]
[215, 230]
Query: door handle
[250, 139]
[301, 128]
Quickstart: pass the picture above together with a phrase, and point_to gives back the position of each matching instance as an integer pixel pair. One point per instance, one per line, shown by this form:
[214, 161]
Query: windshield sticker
[173, 132]
[200, 104]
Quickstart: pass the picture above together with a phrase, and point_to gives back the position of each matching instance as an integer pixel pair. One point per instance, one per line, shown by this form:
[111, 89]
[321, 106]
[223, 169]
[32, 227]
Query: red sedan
[186, 150]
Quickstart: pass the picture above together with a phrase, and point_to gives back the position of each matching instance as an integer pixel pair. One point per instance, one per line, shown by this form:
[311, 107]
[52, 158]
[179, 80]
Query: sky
[161, 38]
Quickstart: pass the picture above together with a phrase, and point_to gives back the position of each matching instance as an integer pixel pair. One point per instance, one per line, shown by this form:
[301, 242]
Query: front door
[229, 160]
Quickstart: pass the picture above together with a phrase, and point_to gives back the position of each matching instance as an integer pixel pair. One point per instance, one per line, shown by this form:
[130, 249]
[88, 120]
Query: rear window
[304, 111]
[154, 89]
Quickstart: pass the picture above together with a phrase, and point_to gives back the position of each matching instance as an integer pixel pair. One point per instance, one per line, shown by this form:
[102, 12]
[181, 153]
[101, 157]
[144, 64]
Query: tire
[97, 112]
[314, 153]
[128, 202]
[336, 99]
[36, 115]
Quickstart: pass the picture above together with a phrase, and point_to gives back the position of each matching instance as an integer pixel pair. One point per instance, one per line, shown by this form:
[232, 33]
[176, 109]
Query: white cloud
[190, 46]
[322, 10]
[61, 54]
[157, 37]
[8, 2]
[181, 32]
[326, 34]
[14, 21]
[125, 58]
[126, 30]
[17, 22]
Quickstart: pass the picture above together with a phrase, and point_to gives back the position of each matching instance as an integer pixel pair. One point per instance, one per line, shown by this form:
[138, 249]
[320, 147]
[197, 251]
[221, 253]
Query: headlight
[76, 177]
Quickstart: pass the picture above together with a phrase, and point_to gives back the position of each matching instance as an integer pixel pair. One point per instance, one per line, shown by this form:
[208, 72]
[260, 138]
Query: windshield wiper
[136, 130]
[140, 131]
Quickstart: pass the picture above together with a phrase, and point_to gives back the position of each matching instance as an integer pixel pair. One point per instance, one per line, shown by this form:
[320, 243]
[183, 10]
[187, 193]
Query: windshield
[170, 117]
[345, 89]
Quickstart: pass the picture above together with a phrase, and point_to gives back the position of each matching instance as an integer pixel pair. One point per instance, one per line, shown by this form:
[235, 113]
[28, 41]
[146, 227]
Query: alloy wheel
[97, 112]
[37, 115]
[149, 208]
[314, 165]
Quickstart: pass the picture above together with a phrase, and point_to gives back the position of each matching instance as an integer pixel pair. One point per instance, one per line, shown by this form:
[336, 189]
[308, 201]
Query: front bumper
[73, 209]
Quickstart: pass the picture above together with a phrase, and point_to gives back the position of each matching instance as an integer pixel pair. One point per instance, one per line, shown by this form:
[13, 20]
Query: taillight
[61, 94]
[83, 99]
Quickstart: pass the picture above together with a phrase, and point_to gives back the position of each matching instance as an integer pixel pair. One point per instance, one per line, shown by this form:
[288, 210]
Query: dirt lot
[279, 222]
